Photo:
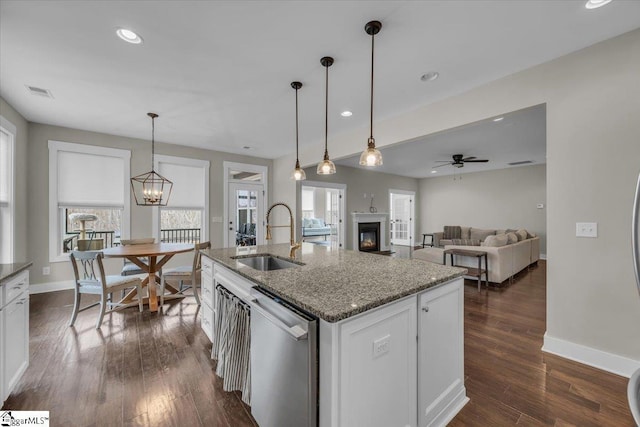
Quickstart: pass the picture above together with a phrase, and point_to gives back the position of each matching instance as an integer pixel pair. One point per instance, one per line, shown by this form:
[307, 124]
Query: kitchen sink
[266, 262]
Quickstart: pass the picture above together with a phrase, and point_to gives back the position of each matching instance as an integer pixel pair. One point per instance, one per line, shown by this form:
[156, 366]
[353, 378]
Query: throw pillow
[466, 242]
[496, 241]
[511, 238]
[531, 235]
[452, 232]
[306, 222]
[480, 234]
[501, 231]
[522, 234]
[465, 232]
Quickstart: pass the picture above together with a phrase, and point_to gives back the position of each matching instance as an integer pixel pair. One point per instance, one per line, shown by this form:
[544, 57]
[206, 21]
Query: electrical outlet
[381, 346]
[586, 229]
[46, 271]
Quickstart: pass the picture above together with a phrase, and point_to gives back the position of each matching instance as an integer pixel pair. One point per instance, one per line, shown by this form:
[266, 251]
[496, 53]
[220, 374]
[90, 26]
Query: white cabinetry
[395, 365]
[207, 292]
[14, 331]
[441, 391]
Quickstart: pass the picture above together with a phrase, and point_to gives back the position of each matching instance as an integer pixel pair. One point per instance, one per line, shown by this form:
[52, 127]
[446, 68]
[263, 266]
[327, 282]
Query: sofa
[313, 227]
[508, 252]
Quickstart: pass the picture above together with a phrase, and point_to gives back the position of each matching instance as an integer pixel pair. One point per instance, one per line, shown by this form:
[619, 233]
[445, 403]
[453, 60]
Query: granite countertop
[335, 284]
[9, 270]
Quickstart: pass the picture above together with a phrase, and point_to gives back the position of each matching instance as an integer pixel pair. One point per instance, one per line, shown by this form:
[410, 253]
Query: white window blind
[90, 180]
[307, 200]
[188, 184]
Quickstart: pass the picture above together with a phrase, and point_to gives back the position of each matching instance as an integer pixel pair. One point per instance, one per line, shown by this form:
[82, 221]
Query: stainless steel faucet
[294, 245]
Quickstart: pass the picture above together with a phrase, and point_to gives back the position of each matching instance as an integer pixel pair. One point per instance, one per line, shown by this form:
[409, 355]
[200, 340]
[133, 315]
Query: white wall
[504, 198]
[593, 105]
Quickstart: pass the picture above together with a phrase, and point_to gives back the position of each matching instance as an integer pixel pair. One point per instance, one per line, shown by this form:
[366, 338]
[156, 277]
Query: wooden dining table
[152, 251]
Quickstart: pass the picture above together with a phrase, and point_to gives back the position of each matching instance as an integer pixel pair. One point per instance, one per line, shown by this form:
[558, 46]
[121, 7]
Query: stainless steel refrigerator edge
[284, 364]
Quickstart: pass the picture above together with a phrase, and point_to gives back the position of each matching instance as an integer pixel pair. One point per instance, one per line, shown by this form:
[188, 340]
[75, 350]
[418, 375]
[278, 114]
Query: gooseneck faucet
[294, 245]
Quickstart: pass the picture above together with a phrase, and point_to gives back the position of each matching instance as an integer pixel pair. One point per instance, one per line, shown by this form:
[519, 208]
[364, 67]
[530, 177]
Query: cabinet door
[378, 367]
[16, 341]
[440, 353]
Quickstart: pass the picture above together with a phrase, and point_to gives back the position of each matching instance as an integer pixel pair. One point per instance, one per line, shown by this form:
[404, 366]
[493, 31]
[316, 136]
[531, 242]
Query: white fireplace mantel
[381, 217]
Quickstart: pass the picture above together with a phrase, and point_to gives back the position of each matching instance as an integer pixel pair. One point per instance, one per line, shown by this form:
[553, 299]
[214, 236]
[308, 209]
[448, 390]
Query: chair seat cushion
[122, 280]
[130, 269]
[183, 270]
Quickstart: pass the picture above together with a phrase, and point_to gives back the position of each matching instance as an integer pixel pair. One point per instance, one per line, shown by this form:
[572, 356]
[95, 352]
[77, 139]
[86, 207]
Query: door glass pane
[246, 217]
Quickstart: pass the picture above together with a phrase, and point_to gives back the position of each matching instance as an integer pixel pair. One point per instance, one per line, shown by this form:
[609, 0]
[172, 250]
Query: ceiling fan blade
[466, 159]
[443, 161]
[439, 166]
[476, 161]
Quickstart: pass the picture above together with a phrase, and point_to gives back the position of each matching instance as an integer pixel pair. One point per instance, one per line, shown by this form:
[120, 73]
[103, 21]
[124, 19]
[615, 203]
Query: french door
[401, 217]
[246, 214]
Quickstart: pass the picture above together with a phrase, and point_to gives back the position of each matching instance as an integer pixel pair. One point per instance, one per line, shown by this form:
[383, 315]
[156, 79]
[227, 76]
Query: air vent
[524, 162]
[39, 91]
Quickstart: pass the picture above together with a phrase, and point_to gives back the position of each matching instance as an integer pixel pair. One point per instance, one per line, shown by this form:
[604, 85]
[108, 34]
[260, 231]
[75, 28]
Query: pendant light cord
[153, 141]
[326, 111]
[297, 156]
[371, 116]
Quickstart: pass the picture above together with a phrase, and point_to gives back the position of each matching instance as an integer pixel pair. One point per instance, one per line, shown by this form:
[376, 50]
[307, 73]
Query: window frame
[184, 161]
[11, 130]
[56, 222]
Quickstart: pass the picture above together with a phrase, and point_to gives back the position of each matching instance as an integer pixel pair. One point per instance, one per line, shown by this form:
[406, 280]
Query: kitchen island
[390, 339]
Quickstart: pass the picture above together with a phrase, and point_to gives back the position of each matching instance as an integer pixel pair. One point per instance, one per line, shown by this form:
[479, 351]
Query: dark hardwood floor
[155, 370]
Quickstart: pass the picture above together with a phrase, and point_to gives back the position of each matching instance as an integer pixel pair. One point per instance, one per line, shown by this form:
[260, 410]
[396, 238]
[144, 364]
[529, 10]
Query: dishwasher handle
[296, 332]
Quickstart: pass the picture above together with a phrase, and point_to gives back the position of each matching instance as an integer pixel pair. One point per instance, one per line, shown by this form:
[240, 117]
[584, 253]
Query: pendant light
[151, 188]
[371, 156]
[326, 166]
[298, 173]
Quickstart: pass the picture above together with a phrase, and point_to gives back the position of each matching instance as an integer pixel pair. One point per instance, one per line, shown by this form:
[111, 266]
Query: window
[90, 180]
[308, 196]
[184, 219]
[7, 140]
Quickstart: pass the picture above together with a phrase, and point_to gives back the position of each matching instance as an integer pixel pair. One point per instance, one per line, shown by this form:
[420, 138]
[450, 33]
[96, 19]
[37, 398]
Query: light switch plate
[586, 229]
[540, 206]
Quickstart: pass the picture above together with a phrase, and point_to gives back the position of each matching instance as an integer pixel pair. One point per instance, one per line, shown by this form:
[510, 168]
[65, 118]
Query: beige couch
[504, 261]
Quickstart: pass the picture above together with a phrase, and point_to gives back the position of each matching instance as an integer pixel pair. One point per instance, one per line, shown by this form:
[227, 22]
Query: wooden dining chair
[99, 284]
[186, 273]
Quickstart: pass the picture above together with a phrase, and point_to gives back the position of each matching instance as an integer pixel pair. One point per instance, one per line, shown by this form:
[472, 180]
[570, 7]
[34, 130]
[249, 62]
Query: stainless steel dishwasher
[284, 363]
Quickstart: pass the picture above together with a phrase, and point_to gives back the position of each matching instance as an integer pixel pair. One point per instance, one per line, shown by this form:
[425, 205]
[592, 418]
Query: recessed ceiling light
[128, 36]
[246, 147]
[346, 113]
[594, 4]
[430, 76]
[434, 171]
[498, 119]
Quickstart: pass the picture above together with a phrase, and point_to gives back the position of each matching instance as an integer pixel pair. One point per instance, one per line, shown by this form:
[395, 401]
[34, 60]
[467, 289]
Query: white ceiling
[519, 136]
[218, 73]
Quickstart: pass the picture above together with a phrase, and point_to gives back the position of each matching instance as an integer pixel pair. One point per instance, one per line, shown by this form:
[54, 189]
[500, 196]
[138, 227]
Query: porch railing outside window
[180, 235]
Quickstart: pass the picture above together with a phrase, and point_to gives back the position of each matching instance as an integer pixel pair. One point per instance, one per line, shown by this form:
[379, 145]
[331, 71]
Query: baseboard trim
[543, 256]
[40, 288]
[609, 362]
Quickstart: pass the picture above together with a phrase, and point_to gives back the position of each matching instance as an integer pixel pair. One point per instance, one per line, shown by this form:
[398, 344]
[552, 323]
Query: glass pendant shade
[371, 156]
[151, 188]
[326, 167]
[298, 173]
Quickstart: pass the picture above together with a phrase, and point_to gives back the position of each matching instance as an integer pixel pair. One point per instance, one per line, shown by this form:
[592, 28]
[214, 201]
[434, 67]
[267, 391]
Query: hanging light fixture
[326, 166]
[151, 188]
[371, 156]
[298, 173]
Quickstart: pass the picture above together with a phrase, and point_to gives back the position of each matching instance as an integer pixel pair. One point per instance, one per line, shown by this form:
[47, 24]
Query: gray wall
[505, 198]
[592, 168]
[20, 181]
[361, 181]
[37, 190]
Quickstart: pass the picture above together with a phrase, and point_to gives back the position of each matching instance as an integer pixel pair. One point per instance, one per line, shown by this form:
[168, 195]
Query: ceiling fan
[459, 160]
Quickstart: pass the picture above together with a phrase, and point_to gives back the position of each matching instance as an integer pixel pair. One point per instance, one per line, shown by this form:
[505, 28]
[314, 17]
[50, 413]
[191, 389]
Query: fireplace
[369, 236]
